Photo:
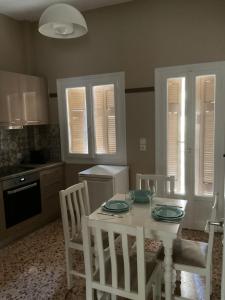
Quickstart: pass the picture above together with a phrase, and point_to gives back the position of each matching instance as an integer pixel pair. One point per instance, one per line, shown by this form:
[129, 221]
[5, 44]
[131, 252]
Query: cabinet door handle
[32, 121]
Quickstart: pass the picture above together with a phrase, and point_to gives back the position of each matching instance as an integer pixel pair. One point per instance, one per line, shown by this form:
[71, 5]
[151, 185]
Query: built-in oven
[22, 198]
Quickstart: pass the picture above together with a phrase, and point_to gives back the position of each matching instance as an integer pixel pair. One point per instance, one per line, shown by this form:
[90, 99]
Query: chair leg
[154, 291]
[208, 288]
[157, 285]
[69, 268]
[211, 288]
[89, 293]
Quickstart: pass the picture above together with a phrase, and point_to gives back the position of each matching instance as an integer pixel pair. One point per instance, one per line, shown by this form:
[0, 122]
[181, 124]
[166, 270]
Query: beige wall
[136, 37]
[12, 45]
[140, 123]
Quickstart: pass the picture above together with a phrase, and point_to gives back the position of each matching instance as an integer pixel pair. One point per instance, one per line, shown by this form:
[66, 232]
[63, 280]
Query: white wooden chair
[118, 274]
[74, 202]
[157, 183]
[196, 257]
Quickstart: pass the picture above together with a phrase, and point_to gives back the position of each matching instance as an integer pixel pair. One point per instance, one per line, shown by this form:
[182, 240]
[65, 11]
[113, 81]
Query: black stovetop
[11, 170]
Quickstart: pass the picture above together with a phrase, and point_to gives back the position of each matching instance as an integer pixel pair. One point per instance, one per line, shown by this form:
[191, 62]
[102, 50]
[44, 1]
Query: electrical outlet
[143, 147]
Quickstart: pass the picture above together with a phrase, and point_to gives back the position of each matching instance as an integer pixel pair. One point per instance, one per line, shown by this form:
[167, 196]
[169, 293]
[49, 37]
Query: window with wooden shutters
[77, 120]
[92, 119]
[104, 119]
[204, 134]
[175, 131]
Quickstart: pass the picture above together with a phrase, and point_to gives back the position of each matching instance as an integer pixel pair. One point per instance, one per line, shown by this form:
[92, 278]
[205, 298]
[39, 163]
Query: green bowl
[141, 196]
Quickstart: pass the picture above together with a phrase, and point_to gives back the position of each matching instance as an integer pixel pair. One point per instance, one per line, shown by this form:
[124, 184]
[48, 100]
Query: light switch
[143, 144]
[143, 141]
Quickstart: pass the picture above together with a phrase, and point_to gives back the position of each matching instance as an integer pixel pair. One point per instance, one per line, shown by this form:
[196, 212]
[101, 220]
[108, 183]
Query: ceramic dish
[167, 219]
[115, 206]
[168, 212]
[141, 196]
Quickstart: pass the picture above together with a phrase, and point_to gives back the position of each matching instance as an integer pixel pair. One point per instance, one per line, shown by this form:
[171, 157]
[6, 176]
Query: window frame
[118, 80]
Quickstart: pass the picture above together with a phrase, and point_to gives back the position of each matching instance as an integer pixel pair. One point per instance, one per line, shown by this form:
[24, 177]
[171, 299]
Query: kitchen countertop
[35, 168]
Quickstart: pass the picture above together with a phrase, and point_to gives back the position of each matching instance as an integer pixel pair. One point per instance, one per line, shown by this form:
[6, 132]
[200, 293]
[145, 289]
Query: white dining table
[140, 215]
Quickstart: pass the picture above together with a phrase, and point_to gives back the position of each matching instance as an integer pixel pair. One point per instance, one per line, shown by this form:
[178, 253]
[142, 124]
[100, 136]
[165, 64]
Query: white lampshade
[62, 21]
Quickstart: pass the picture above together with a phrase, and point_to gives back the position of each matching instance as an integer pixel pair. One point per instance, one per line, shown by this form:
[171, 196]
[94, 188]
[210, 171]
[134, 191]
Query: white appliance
[104, 181]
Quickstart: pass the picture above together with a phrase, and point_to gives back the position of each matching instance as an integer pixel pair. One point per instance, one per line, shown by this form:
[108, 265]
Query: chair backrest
[74, 202]
[161, 185]
[109, 280]
[211, 230]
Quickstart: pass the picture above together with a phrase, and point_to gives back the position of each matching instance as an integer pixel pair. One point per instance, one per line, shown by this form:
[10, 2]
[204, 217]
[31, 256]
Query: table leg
[168, 276]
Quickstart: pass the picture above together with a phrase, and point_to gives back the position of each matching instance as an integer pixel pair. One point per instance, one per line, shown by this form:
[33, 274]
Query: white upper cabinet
[10, 105]
[34, 100]
[23, 100]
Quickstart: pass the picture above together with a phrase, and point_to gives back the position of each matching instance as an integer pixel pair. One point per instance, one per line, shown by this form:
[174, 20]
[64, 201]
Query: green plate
[174, 220]
[169, 216]
[168, 212]
[141, 196]
[116, 206]
[113, 211]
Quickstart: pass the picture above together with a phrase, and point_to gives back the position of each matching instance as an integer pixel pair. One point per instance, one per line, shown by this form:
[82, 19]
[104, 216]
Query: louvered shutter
[173, 115]
[77, 120]
[208, 152]
[104, 119]
[205, 103]
[208, 158]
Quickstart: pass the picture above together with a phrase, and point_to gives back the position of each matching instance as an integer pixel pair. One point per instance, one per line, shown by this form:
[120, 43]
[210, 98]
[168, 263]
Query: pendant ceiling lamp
[62, 21]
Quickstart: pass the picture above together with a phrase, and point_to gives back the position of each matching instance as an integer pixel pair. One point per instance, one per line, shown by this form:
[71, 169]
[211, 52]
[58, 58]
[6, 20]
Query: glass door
[190, 133]
[203, 140]
[189, 124]
[176, 139]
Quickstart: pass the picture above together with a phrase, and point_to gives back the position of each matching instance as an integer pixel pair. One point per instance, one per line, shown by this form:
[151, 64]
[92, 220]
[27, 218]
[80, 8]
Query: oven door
[22, 203]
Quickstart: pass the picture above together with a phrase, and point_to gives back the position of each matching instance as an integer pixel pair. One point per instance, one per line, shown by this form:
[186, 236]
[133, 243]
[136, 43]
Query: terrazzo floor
[33, 268]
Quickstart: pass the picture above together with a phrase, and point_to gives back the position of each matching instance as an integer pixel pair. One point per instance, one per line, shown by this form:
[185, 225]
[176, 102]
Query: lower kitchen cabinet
[2, 214]
[52, 181]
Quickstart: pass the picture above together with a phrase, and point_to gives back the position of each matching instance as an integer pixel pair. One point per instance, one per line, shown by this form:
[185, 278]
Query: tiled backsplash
[48, 137]
[16, 144]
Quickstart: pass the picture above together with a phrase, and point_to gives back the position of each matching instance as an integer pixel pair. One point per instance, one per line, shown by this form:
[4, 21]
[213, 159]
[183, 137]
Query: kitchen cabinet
[104, 182]
[34, 100]
[52, 181]
[10, 100]
[2, 215]
[23, 100]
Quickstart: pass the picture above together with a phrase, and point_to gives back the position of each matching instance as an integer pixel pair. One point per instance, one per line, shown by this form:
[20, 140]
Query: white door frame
[189, 71]
[223, 270]
[223, 265]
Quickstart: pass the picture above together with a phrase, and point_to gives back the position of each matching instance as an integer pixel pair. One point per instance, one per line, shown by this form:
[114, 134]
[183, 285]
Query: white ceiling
[31, 9]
